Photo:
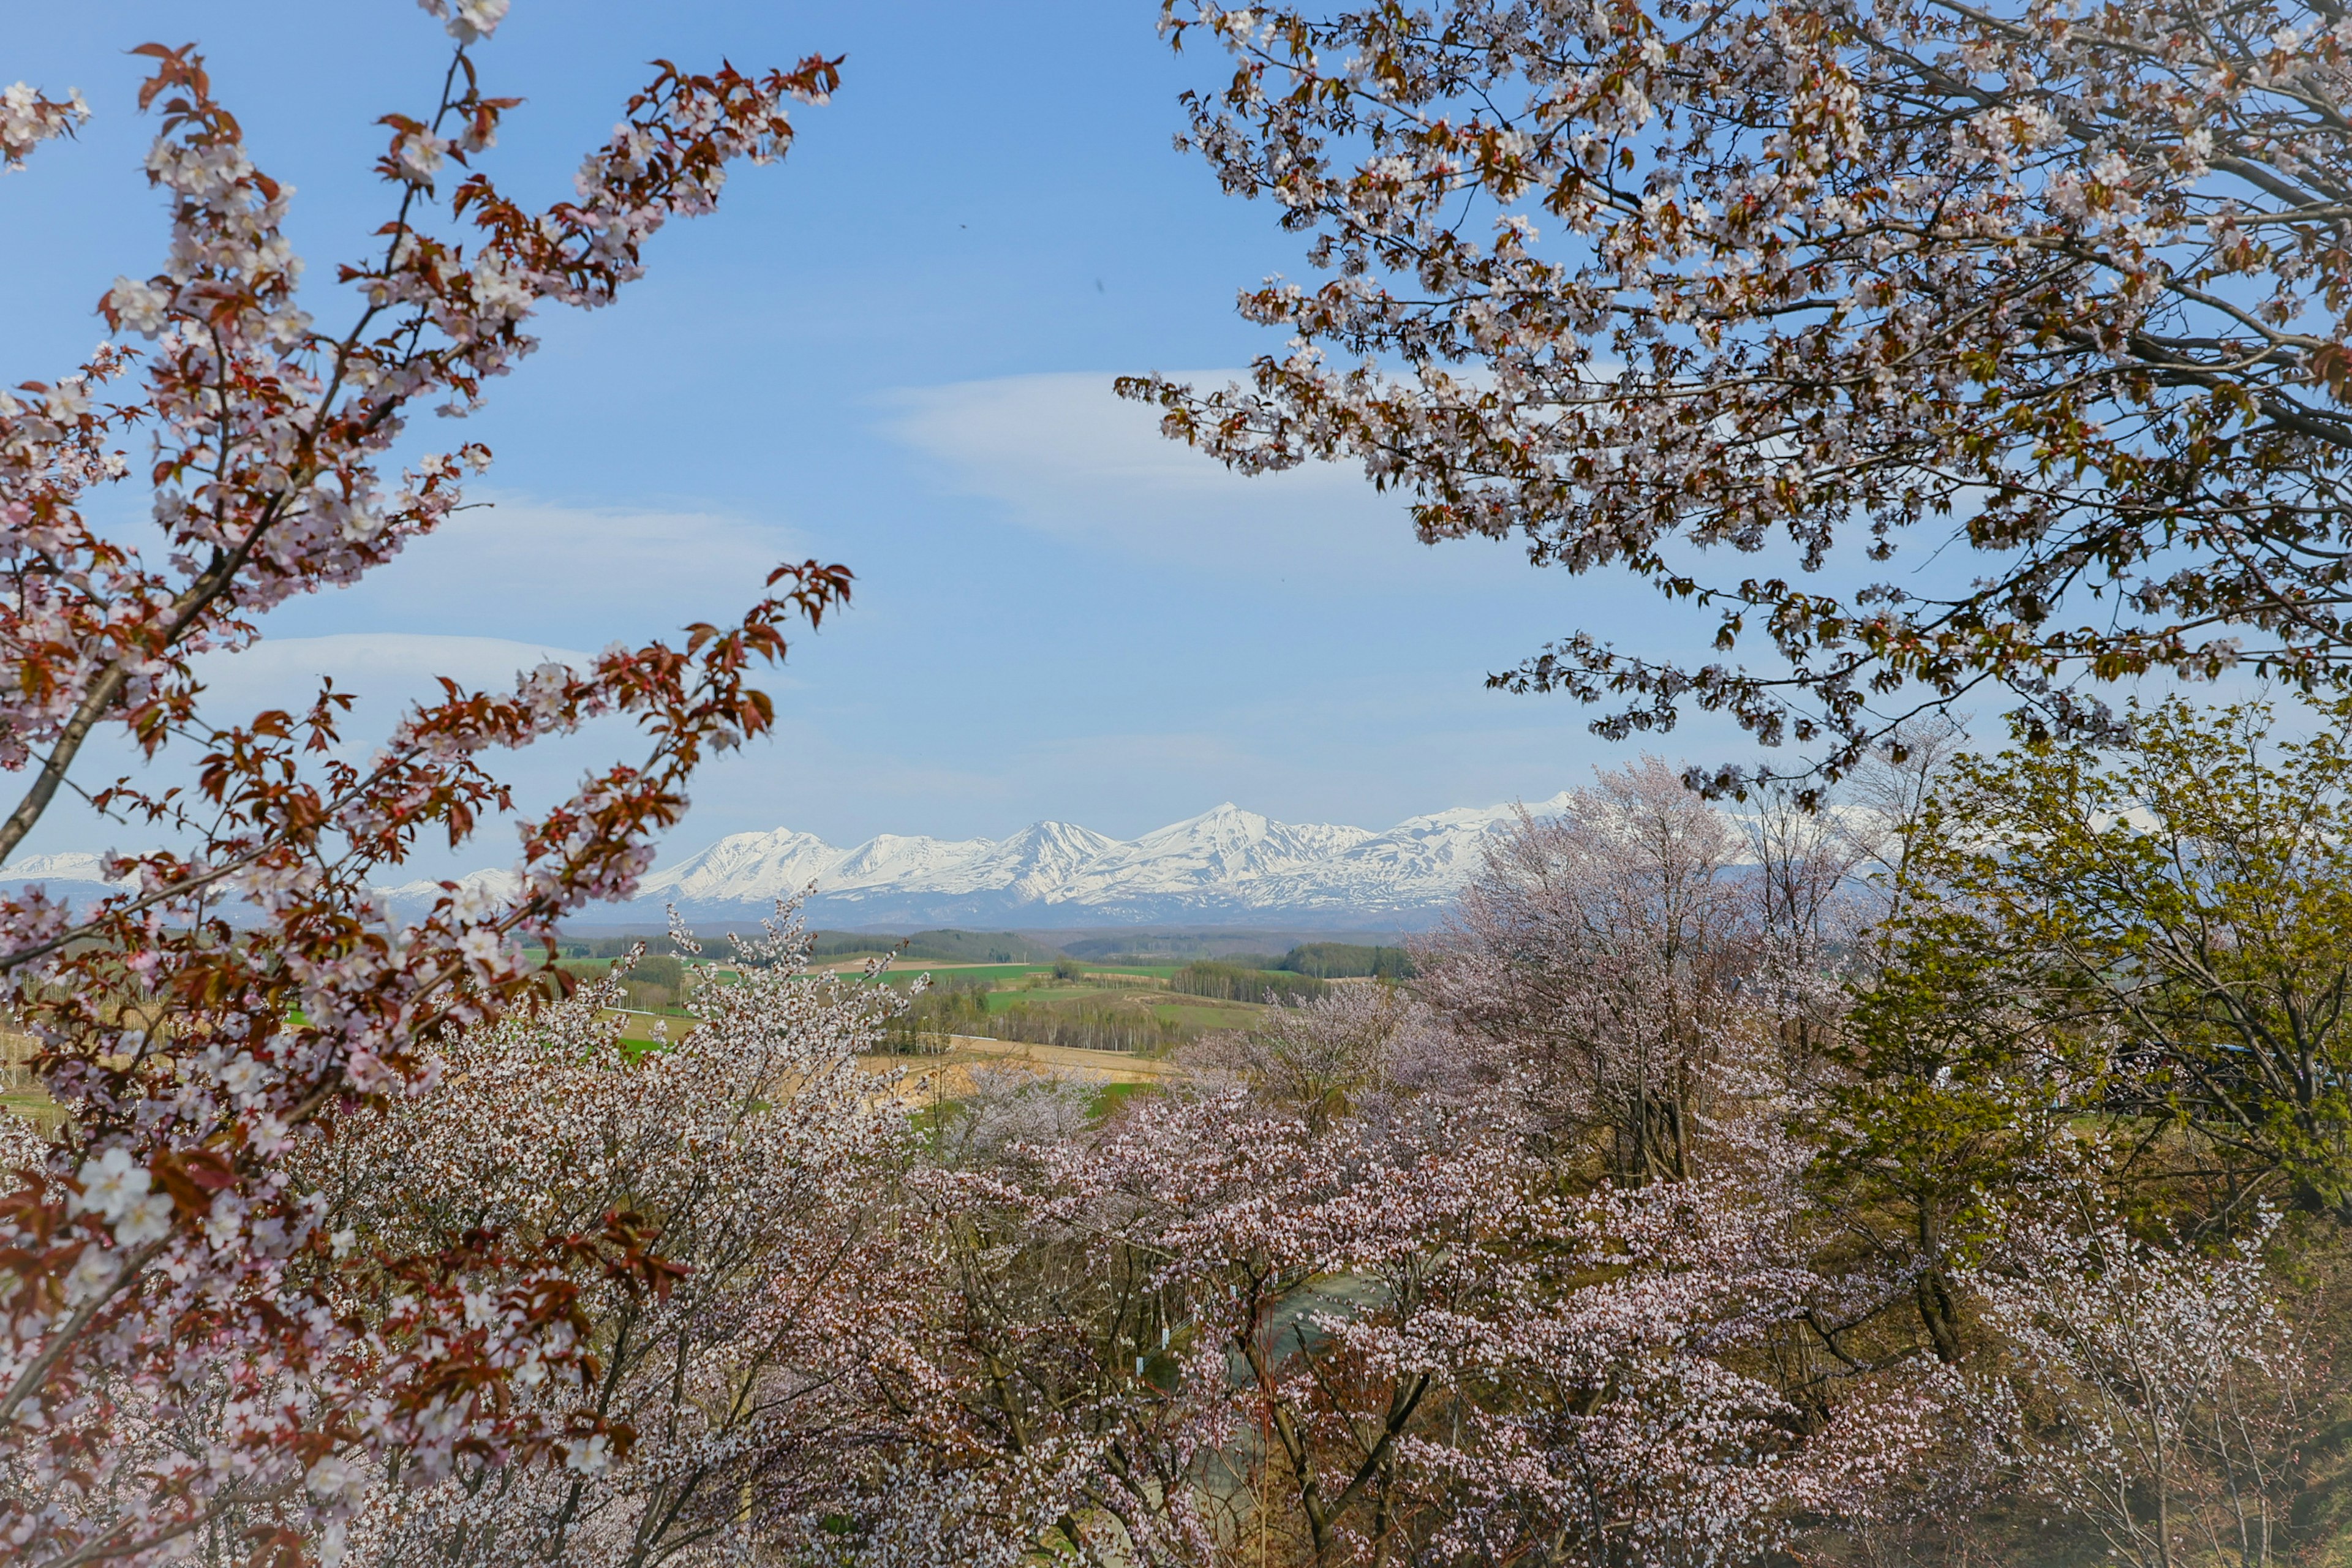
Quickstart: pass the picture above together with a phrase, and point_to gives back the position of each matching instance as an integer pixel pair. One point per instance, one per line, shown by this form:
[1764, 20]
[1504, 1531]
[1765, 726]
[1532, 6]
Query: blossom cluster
[162, 1271]
[1647, 282]
[27, 118]
[750, 1159]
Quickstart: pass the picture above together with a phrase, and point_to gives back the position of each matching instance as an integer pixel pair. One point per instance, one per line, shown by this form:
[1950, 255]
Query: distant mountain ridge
[1226, 864]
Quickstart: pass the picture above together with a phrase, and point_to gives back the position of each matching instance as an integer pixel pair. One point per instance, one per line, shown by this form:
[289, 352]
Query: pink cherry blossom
[187, 1351]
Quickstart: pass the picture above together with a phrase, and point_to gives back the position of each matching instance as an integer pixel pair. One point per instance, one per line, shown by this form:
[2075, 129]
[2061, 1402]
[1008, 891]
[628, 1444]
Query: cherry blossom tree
[2151, 1389]
[1352, 1051]
[246, 992]
[1602, 953]
[1000, 1110]
[756, 1152]
[2012, 337]
[1302, 1313]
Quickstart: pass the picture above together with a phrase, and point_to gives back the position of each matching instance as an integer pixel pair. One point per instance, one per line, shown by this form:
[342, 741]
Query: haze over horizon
[1226, 864]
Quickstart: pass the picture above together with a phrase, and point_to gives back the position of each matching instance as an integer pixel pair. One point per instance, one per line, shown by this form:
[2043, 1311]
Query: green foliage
[1232, 983]
[1330, 961]
[939, 946]
[658, 983]
[1347, 961]
[1110, 1097]
[612, 947]
[1940, 1110]
[659, 969]
[1087, 1021]
[2160, 930]
[924, 1024]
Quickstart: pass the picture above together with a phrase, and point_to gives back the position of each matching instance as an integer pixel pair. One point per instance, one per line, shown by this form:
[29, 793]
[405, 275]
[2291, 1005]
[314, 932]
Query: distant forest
[1332, 961]
[1312, 959]
[936, 946]
[939, 946]
[1104, 1024]
[1234, 983]
[1186, 946]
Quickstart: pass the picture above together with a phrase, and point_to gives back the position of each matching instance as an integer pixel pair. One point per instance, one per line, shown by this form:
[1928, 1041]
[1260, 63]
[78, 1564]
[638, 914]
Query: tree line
[1333, 961]
[927, 1022]
[1234, 983]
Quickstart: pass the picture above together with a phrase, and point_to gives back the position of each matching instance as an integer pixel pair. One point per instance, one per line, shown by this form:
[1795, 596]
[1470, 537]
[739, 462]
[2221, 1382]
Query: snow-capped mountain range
[1226, 864]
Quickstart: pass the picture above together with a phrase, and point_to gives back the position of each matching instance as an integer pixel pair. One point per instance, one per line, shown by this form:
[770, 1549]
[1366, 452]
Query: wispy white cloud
[1067, 454]
[529, 566]
[385, 669]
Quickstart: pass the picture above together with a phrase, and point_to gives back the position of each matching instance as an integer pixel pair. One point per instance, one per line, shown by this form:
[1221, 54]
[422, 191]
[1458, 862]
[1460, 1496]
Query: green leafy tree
[2158, 933]
[1945, 1100]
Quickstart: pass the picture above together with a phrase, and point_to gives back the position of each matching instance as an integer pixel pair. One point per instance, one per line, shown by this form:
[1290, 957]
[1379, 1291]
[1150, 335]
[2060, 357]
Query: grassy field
[994, 973]
[32, 1105]
[1014, 974]
[639, 1027]
[998, 1001]
[903, 971]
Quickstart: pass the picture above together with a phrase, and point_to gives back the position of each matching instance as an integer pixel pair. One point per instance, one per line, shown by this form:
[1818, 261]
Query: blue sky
[893, 350]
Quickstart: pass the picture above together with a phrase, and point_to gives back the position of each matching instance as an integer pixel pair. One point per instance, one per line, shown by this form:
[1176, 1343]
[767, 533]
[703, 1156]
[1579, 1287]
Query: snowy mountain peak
[491, 883]
[782, 859]
[1480, 816]
[1038, 861]
[1226, 864]
[1227, 828]
[68, 868]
